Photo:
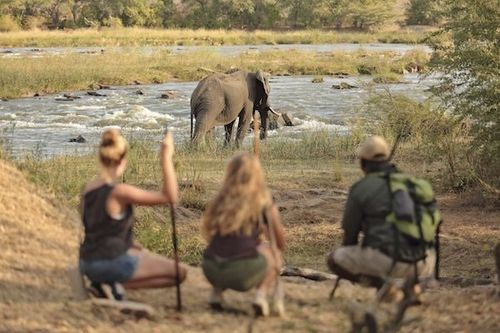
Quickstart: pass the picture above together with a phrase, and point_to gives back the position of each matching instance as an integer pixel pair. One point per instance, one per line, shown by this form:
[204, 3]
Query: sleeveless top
[235, 245]
[105, 236]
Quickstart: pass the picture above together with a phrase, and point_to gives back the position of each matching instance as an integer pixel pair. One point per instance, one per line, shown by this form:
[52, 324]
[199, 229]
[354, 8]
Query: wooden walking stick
[176, 258]
[176, 252]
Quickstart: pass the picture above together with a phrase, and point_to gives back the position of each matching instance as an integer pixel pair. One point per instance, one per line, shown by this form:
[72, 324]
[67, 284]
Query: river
[229, 50]
[44, 125]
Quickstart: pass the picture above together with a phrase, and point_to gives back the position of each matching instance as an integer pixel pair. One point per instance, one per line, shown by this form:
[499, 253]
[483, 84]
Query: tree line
[212, 14]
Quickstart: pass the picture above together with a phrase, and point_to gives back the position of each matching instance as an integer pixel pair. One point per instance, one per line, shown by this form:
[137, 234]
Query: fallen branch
[342, 192]
[307, 273]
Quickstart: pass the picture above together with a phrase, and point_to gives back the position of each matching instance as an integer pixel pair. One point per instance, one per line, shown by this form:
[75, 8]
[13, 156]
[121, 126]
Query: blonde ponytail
[113, 148]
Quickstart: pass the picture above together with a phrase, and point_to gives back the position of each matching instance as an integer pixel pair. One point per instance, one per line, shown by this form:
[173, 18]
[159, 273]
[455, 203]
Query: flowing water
[17, 52]
[45, 125]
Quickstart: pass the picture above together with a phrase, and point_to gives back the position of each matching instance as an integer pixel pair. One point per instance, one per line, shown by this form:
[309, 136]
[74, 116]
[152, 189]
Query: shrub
[470, 79]
[428, 135]
[8, 24]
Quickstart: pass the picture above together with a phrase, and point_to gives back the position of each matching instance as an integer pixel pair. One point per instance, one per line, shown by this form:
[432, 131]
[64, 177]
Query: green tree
[299, 13]
[367, 14]
[424, 12]
[470, 84]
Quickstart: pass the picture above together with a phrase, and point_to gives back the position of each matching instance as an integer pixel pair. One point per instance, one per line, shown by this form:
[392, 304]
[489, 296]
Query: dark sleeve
[352, 220]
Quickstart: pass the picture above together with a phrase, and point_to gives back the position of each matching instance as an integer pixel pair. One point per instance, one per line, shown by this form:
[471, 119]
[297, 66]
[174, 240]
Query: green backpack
[414, 219]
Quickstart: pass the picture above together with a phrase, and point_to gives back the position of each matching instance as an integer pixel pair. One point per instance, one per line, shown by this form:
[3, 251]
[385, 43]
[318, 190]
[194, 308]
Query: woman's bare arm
[275, 222]
[128, 194]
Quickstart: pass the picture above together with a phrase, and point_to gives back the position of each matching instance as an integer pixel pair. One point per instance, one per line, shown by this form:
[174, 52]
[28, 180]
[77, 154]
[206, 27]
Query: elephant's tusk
[274, 112]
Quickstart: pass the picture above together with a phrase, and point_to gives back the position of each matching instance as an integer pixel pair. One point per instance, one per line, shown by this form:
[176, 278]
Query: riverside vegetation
[132, 37]
[48, 74]
[313, 160]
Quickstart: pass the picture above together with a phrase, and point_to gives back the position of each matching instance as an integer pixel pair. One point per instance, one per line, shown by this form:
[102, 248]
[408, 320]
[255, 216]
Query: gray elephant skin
[220, 99]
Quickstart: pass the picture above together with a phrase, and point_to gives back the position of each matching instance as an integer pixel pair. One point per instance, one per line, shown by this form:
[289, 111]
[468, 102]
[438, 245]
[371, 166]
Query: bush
[113, 22]
[423, 12]
[470, 79]
[428, 136]
[8, 24]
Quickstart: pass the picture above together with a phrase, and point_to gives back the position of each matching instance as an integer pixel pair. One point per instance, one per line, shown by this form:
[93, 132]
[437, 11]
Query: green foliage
[430, 137]
[368, 14]
[470, 84]
[241, 14]
[423, 12]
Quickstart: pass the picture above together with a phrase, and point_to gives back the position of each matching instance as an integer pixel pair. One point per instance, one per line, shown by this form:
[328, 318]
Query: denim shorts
[119, 269]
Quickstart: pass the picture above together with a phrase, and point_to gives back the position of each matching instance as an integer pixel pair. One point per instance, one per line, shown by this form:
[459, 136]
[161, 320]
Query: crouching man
[398, 224]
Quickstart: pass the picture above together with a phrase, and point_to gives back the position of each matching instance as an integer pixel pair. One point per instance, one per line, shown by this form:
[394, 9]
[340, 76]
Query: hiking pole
[337, 282]
[395, 146]
[176, 252]
[176, 258]
[438, 249]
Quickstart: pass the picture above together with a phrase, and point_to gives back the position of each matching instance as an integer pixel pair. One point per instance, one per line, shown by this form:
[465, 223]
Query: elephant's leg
[203, 124]
[229, 131]
[244, 120]
[263, 125]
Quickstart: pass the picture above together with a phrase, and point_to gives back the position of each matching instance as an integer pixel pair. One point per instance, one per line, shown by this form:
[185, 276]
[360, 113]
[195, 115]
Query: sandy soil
[39, 238]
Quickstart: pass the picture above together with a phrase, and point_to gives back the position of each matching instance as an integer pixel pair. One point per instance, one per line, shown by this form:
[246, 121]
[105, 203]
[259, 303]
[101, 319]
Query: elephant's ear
[263, 78]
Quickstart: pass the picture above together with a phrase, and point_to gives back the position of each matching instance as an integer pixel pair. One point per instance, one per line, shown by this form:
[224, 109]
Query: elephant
[221, 98]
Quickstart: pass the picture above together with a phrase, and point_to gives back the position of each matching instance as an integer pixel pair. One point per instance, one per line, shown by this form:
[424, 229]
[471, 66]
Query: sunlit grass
[67, 72]
[156, 37]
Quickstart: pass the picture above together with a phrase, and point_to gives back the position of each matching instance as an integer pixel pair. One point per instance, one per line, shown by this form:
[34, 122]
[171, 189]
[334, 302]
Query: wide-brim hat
[374, 148]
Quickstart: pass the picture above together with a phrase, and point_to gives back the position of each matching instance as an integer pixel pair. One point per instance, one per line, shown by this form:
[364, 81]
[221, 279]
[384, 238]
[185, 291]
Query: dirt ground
[39, 239]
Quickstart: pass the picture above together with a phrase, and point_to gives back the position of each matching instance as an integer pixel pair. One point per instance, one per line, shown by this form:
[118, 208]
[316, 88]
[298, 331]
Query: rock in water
[343, 85]
[78, 139]
[170, 94]
[287, 119]
[318, 79]
[94, 93]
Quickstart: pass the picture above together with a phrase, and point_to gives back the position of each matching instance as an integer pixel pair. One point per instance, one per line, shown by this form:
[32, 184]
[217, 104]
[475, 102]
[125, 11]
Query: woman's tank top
[237, 245]
[234, 246]
[105, 237]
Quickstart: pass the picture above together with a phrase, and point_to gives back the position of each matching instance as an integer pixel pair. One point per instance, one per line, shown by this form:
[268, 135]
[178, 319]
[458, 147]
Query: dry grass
[26, 76]
[40, 240]
[154, 37]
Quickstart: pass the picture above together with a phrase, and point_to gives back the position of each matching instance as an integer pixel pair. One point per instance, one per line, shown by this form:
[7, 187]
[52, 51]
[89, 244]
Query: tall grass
[154, 37]
[432, 146]
[312, 160]
[26, 76]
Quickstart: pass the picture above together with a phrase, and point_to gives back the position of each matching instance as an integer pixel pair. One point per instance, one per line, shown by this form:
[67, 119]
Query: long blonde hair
[240, 201]
[113, 148]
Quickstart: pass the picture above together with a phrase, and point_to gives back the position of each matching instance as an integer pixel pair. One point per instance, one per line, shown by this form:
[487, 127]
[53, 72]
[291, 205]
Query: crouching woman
[108, 254]
[245, 235]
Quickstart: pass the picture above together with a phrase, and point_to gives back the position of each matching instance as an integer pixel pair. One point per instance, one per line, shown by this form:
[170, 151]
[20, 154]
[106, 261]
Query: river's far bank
[157, 37]
[23, 77]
